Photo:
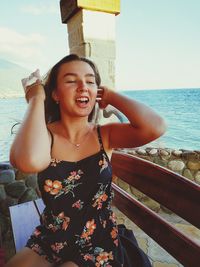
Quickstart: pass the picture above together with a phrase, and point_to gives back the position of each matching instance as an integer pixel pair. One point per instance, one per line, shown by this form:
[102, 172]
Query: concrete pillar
[91, 32]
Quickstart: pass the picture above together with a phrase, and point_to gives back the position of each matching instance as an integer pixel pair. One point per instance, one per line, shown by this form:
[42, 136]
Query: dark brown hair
[52, 111]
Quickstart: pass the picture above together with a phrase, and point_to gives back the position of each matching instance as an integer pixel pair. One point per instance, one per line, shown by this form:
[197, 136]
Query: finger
[99, 97]
[100, 91]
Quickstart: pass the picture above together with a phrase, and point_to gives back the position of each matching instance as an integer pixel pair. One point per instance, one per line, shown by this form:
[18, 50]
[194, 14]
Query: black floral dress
[78, 223]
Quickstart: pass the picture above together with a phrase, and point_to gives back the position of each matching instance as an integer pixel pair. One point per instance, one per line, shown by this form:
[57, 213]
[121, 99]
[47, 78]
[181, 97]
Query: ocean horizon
[179, 107]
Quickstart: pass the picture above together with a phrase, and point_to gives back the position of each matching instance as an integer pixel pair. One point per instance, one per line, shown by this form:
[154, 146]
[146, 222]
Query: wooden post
[91, 32]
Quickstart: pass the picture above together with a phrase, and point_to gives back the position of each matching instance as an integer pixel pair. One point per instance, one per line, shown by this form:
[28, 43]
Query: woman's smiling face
[76, 88]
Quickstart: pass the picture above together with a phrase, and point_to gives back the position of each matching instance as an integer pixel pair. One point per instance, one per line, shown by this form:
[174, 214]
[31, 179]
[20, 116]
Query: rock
[21, 175]
[193, 165]
[141, 151]
[4, 224]
[132, 152]
[197, 177]
[190, 155]
[139, 195]
[160, 162]
[176, 165]
[164, 152]
[6, 203]
[16, 189]
[187, 173]
[2, 193]
[177, 153]
[31, 181]
[123, 185]
[152, 204]
[29, 195]
[7, 176]
[5, 165]
[153, 152]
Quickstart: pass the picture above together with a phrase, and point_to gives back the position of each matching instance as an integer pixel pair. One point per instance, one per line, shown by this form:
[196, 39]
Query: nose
[82, 86]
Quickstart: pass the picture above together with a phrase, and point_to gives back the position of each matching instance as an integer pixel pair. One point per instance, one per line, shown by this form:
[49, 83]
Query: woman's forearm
[139, 115]
[145, 124]
[30, 150]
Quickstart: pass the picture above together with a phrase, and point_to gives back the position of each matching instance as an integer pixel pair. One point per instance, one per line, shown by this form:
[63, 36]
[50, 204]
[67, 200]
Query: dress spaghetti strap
[101, 143]
[99, 138]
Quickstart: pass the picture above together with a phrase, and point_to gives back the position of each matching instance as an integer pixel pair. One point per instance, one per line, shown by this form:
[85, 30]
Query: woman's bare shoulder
[53, 126]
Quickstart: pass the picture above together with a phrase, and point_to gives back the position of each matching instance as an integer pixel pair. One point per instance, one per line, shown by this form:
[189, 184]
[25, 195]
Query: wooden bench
[168, 188]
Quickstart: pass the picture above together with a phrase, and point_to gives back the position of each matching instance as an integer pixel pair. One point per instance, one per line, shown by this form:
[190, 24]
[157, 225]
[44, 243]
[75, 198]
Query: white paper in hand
[31, 79]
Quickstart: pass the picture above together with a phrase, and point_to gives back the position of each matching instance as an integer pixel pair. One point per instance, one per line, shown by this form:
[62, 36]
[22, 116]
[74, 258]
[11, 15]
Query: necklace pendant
[77, 145]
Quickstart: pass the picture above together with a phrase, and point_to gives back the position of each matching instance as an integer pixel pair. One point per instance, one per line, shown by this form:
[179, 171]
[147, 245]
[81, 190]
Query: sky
[157, 41]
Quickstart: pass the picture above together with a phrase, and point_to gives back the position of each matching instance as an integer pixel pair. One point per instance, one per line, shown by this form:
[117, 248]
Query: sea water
[179, 107]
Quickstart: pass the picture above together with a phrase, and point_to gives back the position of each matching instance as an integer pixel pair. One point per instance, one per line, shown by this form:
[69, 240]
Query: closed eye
[91, 82]
[70, 81]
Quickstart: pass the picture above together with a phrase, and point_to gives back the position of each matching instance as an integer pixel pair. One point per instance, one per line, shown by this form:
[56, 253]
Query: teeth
[82, 99]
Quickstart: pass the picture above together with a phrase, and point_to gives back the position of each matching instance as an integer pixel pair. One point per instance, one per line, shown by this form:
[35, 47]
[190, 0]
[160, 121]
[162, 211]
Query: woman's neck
[74, 130]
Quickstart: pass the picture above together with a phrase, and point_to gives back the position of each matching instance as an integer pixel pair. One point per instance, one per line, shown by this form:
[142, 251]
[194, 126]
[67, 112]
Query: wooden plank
[24, 218]
[166, 187]
[184, 249]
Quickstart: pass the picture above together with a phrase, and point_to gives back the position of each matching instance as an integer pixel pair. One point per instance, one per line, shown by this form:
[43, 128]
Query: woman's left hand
[103, 96]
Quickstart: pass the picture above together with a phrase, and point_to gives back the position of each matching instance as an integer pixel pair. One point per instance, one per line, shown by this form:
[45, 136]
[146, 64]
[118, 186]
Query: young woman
[72, 158]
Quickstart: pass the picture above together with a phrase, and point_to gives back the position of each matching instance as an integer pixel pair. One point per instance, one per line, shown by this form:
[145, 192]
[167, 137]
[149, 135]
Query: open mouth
[82, 100]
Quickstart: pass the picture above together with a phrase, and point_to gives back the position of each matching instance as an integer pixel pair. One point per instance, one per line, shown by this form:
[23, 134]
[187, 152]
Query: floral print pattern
[59, 222]
[78, 204]
[57, 247]
[77, 216]
[88, 231]
[57, 188]
[54, 162]
[100, 197]
[100, 257]
[103, 163]
[38, 249]
[52, 187]
[114, 235]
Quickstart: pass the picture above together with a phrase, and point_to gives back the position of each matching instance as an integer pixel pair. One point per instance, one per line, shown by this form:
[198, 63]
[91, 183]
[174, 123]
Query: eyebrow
[74, 74]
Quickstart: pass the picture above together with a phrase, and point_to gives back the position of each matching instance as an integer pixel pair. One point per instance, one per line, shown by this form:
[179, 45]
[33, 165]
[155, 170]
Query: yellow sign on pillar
[110, 6]
[70, 7]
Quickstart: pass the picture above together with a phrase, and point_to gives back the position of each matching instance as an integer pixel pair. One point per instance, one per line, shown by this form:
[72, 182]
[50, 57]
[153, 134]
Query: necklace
[77, 145]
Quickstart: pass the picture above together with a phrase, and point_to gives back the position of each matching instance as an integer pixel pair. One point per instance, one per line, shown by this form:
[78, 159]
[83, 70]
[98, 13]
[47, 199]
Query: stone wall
[15, 188]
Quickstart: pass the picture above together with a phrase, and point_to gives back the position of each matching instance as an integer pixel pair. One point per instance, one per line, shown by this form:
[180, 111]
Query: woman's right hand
[34, 90]
[33, 86]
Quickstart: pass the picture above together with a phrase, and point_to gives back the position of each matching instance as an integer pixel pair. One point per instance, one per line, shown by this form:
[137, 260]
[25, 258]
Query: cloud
[40, 9]
[17, 47]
